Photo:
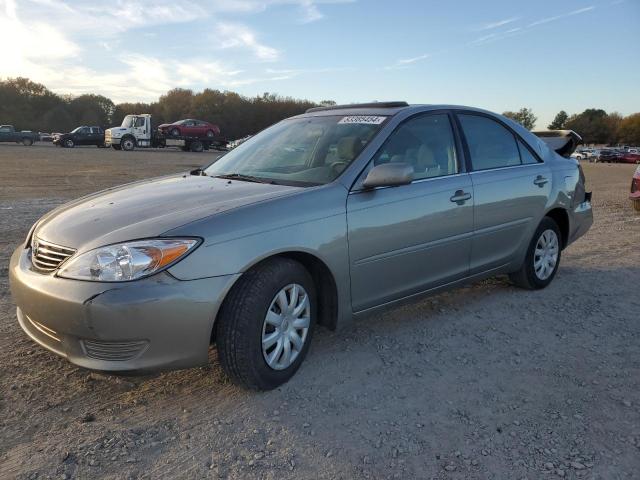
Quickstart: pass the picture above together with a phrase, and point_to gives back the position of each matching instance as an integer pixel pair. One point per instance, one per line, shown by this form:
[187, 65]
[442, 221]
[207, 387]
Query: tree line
[594, 125]
[31, 106]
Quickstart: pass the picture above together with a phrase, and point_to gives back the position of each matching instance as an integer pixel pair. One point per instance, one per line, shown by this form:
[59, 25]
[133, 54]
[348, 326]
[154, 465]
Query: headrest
[348, 148]
[426, 158]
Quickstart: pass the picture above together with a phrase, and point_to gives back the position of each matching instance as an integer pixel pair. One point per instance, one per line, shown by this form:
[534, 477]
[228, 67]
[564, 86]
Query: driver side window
[426, 143]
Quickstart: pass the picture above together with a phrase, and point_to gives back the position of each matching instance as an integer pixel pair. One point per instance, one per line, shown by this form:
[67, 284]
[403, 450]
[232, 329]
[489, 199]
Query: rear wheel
[210, 133]
[27, 142]
[542, 259]
[266, 323]
[197, 146]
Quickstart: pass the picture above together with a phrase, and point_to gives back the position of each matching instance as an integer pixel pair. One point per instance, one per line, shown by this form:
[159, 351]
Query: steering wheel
[336, 166]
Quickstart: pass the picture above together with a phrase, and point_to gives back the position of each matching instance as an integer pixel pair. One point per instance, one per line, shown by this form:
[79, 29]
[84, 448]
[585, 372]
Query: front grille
[114, 351]
[46, 256]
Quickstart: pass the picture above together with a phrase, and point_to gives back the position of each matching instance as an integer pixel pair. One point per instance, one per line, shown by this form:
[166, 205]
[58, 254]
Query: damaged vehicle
[319, 219]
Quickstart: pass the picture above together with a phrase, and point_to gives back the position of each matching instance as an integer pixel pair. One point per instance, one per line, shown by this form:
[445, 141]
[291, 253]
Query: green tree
[559, 121]
[629, 131]
[524, 117]
[592, 125]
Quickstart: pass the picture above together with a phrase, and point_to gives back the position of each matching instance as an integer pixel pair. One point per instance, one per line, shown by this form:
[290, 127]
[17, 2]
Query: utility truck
[138, 131]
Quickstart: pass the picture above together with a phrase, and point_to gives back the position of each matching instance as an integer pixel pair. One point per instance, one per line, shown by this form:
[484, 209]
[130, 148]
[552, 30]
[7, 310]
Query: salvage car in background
[630, 156]
[335, 213]
[190, 127]
[80, 136]
[634, 196]
[609, 155]
[9, 134]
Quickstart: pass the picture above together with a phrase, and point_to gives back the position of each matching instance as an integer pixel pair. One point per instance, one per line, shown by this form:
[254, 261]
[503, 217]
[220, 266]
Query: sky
[495, 54]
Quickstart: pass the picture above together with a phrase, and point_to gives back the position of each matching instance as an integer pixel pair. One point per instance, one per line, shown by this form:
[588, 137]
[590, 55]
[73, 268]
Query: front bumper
[155, 323]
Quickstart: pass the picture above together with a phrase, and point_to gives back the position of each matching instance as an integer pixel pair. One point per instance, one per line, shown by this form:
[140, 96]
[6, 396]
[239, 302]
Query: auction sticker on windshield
[367, 119]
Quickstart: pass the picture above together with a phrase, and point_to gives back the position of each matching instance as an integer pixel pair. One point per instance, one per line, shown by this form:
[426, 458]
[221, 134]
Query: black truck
[9, 134]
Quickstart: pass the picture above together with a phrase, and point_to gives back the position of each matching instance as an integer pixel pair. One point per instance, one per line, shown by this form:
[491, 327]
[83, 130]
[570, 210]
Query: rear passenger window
[426, 143]
[490, 144]
[525, 154]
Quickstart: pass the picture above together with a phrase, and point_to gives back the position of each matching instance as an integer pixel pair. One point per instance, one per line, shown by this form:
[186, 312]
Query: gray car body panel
[382, 246]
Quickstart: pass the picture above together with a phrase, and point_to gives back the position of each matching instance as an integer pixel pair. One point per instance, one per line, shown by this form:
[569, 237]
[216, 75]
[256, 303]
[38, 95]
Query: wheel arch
[561, 217]
[323, 279]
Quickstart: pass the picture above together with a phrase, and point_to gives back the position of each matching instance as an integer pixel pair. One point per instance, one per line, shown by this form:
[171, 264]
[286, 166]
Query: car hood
[148, 208]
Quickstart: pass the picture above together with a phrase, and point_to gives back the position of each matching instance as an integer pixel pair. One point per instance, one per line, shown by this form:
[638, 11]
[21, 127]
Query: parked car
[630, 157]
[609, 156]
[578, 155]
[189, 127]
[335, 213]
[80, 136]
[9, 134]
[634, 196]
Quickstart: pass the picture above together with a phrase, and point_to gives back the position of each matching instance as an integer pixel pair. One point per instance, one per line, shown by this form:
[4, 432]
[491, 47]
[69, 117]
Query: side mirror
[389, 175]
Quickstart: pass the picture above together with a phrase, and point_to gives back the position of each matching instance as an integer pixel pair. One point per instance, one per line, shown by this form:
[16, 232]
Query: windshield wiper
[245, 178]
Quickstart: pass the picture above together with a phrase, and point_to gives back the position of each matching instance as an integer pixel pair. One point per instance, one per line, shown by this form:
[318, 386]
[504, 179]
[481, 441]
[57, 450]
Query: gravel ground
[486, 381]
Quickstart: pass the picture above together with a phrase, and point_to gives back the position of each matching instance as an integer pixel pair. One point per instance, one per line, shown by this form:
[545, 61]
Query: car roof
[383, 108]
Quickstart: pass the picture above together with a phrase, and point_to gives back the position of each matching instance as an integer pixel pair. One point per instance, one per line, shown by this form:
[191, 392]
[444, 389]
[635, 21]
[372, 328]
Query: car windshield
[127, 122]
[301, 151]
[76, 130]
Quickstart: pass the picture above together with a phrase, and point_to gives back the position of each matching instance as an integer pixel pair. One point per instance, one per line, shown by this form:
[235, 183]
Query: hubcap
[545, 256]
[285, 327]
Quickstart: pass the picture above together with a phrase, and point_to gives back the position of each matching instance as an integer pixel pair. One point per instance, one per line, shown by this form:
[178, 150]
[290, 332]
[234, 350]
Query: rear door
[511, 185]
[407, 239]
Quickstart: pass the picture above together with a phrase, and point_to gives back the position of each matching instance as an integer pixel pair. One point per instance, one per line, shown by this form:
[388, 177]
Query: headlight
[127, 261]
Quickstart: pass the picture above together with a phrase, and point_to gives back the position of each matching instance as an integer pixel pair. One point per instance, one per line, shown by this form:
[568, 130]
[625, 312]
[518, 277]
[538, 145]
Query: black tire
[175, 132]
[210, 133]
[197, 146]
[526, 277]
[128, 144]
[68, 143]
[240, 321]
[116, 147]
[27, 142]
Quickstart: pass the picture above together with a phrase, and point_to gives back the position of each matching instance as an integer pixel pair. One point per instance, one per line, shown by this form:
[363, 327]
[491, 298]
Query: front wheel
[542, 259]
[266, 324]
[175, 132]
[68, 143]
[128, 144]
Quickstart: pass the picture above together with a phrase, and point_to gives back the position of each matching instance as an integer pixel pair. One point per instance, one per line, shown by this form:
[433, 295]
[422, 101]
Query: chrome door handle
[460, 197]
[540, 181]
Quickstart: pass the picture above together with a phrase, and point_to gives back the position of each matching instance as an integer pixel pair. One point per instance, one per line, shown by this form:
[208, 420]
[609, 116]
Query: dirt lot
[487, 381]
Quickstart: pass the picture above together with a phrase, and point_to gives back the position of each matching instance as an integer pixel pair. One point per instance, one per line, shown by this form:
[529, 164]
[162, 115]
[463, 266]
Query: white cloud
[564, 15]
[235, 35]
[499, 23]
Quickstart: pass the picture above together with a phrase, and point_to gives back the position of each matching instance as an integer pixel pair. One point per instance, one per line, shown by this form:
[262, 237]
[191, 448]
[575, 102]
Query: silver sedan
[318, 219]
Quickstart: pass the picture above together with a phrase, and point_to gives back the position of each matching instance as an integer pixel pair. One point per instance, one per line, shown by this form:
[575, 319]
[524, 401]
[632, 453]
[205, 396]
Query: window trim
[460, 156]
[516, 137]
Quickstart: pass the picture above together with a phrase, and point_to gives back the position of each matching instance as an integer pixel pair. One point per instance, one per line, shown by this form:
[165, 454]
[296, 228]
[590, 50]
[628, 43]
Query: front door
[411, 238]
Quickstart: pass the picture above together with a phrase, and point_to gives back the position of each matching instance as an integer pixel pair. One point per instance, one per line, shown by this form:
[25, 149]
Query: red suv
[189, 128]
